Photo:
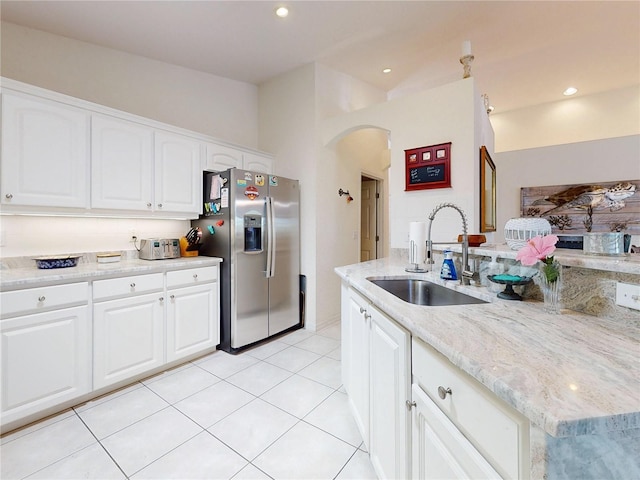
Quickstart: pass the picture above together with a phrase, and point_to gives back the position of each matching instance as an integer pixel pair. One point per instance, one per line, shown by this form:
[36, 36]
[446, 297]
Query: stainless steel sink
[422, 292]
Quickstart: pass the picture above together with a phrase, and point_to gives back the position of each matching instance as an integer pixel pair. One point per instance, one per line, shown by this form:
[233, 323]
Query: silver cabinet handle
[362, 309]
[9, 196]
[195, 276]
[41, 298]
[172, 297]
[149, 205]
[159, 205]
[161, 299]
[410, 404]
[367, 316]
[132, 285]
[443, 392]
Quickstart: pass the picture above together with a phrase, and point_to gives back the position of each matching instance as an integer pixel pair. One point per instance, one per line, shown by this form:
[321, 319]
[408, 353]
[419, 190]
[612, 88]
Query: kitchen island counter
[570, 374]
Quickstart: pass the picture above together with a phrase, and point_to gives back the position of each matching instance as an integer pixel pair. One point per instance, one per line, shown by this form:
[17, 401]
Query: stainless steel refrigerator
[252, 221]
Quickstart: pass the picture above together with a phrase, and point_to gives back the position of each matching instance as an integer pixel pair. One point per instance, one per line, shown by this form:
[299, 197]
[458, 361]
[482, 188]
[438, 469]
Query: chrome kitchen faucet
[467, 272]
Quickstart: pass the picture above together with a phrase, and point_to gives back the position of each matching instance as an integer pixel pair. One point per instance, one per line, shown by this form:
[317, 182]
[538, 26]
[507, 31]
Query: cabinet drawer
[191, 276]
[495, 429]
[118, 287]
[33, 300]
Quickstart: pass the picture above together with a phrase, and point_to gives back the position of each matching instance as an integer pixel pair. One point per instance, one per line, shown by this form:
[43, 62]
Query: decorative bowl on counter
[518, 231]
[59, 261]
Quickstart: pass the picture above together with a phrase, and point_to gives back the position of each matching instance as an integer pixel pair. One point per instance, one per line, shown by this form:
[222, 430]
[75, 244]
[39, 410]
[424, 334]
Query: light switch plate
[628, 295]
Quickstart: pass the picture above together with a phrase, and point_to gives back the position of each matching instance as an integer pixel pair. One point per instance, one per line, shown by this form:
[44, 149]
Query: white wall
[35, 236]
[197, 101]
[287, 129]
[574, 119]
[290, 108]
[606, 160]
[439, 115]
[339, 220]
[216, 106]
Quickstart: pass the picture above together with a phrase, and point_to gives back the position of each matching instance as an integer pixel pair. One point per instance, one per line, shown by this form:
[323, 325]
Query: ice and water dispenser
[252, 233]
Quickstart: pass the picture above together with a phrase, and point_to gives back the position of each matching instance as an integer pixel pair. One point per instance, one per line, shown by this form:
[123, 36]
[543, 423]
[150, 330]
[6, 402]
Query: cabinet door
[46, 359]
[439, 450]
[121, 164]
[390, 390]
[355, 356]
[128, 338]
[257, 163]
[193, 321]
[178, 173]
[220, 158]
[44, 153]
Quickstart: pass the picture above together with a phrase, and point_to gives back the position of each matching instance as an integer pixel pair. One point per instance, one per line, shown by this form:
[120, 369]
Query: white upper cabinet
[258, 163]
[121, 164]
[44, 153]
[61, 153]
[178, 173]
[220, 157]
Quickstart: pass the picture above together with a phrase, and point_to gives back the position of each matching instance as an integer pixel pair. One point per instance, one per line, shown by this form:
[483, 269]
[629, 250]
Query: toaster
[159, 248]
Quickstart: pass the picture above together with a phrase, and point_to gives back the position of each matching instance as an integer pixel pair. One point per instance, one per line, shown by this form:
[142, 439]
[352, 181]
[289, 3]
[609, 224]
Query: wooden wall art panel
[580, 208]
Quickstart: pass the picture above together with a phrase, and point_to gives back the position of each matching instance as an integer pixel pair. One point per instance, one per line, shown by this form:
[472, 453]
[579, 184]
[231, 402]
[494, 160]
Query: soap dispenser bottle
[448, 271]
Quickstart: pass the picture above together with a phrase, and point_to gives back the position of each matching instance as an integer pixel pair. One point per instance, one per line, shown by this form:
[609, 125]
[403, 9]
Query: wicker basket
[518, 231]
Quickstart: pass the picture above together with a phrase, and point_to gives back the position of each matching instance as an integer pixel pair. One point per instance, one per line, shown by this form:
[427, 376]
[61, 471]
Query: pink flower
[538, 248]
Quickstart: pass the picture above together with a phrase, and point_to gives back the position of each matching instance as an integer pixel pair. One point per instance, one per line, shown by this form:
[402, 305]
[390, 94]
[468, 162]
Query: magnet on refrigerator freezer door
[211, 230]
[251, 192]
[220, 223]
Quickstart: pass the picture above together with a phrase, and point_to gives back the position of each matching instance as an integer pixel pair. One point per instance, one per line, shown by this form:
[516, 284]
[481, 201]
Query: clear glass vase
[551, 287]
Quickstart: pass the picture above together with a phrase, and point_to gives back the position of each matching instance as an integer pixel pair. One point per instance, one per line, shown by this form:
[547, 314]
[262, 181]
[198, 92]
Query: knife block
[183, 249]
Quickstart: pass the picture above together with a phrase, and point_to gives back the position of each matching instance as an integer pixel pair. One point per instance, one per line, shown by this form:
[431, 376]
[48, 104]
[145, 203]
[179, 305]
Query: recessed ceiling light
[282, 12]
[570, 91]
[386, 70]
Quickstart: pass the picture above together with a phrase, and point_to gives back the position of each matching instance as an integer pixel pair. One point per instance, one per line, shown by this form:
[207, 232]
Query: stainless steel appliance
[252, 221]
[159, 248]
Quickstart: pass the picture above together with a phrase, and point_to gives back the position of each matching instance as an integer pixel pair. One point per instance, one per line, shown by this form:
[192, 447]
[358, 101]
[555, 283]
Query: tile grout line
[333, 390]
[101, 446]
[346, 463]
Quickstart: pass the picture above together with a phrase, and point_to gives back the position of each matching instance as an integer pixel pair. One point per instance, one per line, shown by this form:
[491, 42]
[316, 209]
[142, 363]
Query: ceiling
[526, 52]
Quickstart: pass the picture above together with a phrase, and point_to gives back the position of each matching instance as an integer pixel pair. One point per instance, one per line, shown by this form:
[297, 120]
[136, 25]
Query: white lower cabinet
[460, 428]
[444, 426]
[192, 320]
[355, 357]
[46, 360]
[128, 336]
[55, 348]
[439, 450]
[390, 391]
[377, 380]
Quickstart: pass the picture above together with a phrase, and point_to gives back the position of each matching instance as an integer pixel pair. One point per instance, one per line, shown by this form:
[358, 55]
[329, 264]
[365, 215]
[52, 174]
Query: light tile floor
[276, 411]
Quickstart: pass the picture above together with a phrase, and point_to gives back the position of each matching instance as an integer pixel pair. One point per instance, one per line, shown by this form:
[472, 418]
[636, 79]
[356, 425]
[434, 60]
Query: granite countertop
[21, 272]
[570, 374]
[627, 263]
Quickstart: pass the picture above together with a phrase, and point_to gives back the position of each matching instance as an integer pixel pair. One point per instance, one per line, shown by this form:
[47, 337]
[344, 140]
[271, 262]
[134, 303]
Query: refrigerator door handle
[271, 239]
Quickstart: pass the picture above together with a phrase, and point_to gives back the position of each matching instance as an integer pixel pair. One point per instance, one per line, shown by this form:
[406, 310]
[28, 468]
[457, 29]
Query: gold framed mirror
[487, 192]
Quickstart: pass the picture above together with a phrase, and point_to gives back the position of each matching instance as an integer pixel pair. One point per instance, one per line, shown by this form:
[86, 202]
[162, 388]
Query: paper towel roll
[417, 242]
